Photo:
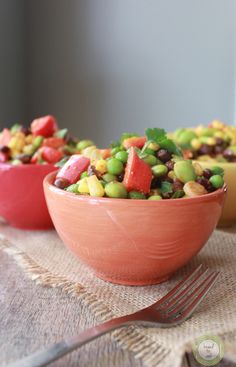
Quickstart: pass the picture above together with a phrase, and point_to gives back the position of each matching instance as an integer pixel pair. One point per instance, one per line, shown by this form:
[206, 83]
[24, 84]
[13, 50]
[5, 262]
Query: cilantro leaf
[166, 187]
[159, 136]
[155, 134]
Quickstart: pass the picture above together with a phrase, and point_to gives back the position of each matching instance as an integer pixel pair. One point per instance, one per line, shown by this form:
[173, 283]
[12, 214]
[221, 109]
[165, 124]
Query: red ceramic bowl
[22, 202]
[133, 242]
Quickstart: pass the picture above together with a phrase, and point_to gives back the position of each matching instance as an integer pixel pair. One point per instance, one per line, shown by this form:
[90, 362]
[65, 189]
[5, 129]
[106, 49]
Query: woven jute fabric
[47, 261]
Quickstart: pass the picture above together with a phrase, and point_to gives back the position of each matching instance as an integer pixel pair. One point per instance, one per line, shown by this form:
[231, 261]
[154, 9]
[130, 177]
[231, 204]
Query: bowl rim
[47, 183]
[26, 166]
[220, 164]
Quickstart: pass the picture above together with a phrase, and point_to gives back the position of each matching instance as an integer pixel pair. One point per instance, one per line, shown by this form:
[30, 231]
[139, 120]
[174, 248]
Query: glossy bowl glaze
[134, 242]
[22, 202]
[228, 217]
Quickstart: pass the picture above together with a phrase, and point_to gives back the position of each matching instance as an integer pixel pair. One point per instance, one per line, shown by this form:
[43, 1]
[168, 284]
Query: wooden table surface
[32, 317]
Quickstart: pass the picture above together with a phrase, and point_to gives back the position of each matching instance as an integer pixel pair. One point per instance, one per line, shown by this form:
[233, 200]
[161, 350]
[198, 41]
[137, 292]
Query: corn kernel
[219, 134]
[171, 174]
[16, 143]
[198, 169]
[88, 151]
[29, 139]
[101, 166]
[83, 186]
[153, 146]
[28, 149]
[211, 141]
[196, 144]
[95, 187]
[216, 124]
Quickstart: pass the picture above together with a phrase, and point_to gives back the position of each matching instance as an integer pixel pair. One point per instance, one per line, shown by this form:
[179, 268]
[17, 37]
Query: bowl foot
[134, 282]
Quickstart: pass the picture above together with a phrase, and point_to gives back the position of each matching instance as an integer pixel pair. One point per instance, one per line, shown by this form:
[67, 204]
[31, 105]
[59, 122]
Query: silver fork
[171, 310]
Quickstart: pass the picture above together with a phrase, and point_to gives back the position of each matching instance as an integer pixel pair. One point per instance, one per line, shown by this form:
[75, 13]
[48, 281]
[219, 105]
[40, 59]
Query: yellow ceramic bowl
[228, 217]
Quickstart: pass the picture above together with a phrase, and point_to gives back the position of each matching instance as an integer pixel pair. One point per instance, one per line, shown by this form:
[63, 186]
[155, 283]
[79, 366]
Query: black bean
[24, 130]
[203, 181]
[205, 149]
[61, 183]
[92, 171]
[228, 154]
[207, 173]
[170, 165]
[120, 177]
[4, 149]
[24, 158]
[164, 155]
[177, 185]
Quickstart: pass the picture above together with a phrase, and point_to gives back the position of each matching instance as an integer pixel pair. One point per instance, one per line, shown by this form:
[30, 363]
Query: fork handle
[58, 350]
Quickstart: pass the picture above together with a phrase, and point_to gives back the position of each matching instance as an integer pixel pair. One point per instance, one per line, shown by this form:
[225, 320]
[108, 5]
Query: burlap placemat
[47, 261]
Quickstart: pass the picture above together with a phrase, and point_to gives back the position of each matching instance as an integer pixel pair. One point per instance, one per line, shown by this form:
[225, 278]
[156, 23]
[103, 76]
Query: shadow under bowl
[133, 242]
[22, 201]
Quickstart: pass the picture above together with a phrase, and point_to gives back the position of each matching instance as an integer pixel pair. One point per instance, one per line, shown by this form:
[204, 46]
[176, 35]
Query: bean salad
[150, 167]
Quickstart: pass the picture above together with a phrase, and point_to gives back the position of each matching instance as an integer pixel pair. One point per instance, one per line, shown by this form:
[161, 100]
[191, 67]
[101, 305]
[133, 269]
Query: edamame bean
[155, 197]
[184, 171]
[116, 190]
[108, 177]
[159, 170]
[114, 166]
[84, 144]
[217, 171]
[150, 159]
[136, 195]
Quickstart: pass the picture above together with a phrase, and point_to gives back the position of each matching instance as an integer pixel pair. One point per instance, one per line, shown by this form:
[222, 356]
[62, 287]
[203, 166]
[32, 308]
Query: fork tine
[177, 288]
[185, 291]
[187, 312]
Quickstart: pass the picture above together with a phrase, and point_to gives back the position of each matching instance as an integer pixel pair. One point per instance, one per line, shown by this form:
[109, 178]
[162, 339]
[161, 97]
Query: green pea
[73, 188]
[108, 177]
[217, 171]
[114, 166]
[37, 141]
[150, 159]
[116, 150]
[84, 174]
[217, 181]
[116, 190]
[136, 195]
[159, 170]
[155, 197]
[122, 156]
[184, 171]
[84, 144]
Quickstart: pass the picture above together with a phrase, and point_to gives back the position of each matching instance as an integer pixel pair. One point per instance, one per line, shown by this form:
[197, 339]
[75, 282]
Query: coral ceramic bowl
[228, 217]
[22, 202]
[133, 242]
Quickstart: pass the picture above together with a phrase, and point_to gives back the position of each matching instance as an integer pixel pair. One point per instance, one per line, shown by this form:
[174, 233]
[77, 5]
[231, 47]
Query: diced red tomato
[138, 174]
[3, 157]
[5, 137]
[135, 141]
[53, 142]
[106, 153]
[45, 126]
[51, 155]
[73, 168]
